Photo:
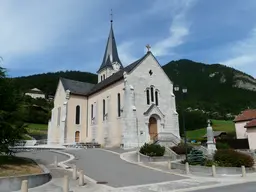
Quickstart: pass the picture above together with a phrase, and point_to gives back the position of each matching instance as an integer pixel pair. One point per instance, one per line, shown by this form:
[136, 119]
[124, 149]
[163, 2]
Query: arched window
[156, 97]
[148, 99]
[118, 105]
[77, 114]
[104, 109]
[104, 77]
[152, 93]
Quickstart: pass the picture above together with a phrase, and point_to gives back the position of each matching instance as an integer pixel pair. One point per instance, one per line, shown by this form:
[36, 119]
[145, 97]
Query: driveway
[105, 166]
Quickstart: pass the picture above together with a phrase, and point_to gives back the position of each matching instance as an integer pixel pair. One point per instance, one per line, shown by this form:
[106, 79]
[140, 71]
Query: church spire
[111, 54]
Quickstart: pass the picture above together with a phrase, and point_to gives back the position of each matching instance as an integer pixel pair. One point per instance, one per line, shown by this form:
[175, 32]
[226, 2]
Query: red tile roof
[251, 124]
[246, 115]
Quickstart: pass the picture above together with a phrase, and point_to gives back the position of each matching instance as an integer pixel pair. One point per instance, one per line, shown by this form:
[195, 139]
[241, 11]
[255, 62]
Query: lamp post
[183, 91]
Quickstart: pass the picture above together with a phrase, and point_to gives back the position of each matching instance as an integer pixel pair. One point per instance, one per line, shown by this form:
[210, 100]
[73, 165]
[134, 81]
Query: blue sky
[47, 36]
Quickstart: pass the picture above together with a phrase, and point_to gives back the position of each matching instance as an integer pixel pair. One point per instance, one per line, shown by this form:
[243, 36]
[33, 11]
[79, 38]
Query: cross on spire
[111, 16]
[148, 47]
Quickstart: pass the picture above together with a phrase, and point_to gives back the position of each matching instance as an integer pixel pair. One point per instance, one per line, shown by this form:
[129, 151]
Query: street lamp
[183, 91]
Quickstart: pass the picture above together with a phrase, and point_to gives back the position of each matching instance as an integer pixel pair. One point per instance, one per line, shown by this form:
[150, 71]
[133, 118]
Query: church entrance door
[152, 128]
[77, 136]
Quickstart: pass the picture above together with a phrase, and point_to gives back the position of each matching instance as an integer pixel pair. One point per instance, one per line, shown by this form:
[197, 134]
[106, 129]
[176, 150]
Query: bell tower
[111, 62]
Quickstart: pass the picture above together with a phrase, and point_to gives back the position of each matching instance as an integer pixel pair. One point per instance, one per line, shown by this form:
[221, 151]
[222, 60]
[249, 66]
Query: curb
[156, 169]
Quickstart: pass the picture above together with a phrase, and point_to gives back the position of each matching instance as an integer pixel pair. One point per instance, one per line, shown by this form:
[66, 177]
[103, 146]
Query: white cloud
[30, 26]
[178, 30]
[241, 54]
[124, 52]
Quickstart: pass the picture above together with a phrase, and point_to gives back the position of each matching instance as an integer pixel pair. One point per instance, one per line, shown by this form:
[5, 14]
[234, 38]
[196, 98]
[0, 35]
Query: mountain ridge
[211, 87]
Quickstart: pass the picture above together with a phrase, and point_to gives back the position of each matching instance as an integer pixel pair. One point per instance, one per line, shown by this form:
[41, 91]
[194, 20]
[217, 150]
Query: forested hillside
[47, 82]
[212, 88]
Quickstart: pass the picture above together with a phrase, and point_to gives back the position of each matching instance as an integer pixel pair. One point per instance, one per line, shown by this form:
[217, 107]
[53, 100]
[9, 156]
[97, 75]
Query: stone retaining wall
[8, 184]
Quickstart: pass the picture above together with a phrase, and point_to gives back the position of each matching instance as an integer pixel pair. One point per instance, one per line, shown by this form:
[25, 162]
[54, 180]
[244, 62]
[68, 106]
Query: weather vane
[148, 47]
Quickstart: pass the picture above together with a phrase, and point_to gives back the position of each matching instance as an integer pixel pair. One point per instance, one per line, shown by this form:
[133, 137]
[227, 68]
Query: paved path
[245, 187]
[101, 165]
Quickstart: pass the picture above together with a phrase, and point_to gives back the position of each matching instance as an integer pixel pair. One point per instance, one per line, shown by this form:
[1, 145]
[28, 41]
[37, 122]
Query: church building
[129, 106]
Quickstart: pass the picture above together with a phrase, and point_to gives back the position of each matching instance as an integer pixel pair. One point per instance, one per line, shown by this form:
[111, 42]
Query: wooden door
[77, 136]
[152, 128]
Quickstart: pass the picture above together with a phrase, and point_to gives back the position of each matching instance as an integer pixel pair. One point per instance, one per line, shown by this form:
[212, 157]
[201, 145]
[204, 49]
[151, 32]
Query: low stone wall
[208, 170]
[8, 184]
[145, 158]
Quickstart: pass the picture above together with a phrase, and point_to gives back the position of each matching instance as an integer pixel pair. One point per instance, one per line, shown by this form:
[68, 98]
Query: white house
[35, 93]
[127, 107]
[245, 124]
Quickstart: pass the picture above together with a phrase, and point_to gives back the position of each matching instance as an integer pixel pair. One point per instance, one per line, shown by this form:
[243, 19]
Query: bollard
[187, 168]
[55, 161]
[243, 171]
[138, 157]
[24, 186]
[213, 171]
[169, 165]
[81, 178]
[74, 172]
[66, 184]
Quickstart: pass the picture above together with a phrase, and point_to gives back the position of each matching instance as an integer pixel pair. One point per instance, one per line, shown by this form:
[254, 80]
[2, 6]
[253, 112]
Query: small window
[152, 94]
[150, 72]
[156, 97]
[104, 109]
[101, 78]
[77, 114]
[104, 77]
[118, 105]
[148, 99]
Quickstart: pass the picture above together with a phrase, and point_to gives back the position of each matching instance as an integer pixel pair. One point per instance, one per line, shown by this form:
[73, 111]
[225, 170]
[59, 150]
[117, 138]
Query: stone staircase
[166, 139]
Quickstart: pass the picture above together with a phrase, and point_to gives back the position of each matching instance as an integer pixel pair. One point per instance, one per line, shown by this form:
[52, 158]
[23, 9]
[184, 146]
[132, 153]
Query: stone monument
[211, 146]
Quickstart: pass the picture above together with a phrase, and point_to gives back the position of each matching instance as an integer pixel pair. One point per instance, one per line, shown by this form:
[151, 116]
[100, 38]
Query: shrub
[152, 150]
[220, 145]
[196, 157]
[180, 149]
[232, 158]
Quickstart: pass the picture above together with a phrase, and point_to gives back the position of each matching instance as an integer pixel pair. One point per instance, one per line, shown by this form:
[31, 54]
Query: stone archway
[152, 128]
[77, 136]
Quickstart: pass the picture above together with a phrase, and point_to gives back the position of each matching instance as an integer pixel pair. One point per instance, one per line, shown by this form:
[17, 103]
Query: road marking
[107, 150]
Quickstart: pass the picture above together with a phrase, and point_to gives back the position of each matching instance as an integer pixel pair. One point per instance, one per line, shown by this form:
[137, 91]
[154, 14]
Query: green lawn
[37, 129]
[218, 125]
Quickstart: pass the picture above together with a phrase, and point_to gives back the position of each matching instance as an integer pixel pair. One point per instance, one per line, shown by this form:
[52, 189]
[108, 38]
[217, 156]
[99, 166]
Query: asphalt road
[108, 167]
[42, 157]
[245, 187]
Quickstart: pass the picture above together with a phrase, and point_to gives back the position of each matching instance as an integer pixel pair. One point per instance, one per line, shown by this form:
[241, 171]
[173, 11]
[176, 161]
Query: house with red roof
[245, 124]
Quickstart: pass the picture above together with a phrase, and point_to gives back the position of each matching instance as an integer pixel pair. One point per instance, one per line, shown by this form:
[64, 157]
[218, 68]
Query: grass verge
[17, 166]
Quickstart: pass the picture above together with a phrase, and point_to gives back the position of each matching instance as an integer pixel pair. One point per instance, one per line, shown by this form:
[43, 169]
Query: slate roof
[76, 87]
[251, 124]
[217, 133]
[111, 54]
[86, 89]
[246, 115]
